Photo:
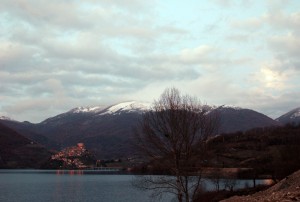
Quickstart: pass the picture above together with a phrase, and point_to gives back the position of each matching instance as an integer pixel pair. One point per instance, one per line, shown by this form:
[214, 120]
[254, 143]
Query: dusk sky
[59, 54]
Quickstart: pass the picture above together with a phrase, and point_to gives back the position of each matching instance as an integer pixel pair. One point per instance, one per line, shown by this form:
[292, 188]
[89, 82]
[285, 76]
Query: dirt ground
[287, 189]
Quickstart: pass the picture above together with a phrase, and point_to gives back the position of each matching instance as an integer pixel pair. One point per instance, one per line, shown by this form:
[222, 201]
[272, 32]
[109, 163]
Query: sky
[60, 54]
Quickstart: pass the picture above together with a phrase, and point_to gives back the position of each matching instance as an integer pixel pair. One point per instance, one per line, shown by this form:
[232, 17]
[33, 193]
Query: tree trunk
[179, 194]
[187, 196]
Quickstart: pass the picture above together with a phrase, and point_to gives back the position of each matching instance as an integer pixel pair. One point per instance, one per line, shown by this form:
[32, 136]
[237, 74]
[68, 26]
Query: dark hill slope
[17, 151]
[30, 131]
[235, 119]
[107, 135]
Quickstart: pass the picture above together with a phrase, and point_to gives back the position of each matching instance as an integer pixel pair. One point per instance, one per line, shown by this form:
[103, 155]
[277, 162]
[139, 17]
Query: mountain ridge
[101, 108]
[292, 116]
[108, 129]
[122, 106]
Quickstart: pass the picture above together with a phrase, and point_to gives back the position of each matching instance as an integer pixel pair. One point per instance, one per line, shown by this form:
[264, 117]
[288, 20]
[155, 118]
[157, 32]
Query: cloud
[231, 3]
[272, 79]
[287, 47]
[196, 55]
[251, 24]
[277, 106]
[277, 29]
[281, 19]
[275, 17]
[55, 55]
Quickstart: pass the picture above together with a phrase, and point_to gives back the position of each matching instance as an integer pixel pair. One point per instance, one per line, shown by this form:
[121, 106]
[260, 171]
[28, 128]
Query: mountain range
[107, 131]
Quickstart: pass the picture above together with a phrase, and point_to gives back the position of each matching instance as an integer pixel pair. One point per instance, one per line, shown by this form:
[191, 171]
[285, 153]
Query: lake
[74, 186]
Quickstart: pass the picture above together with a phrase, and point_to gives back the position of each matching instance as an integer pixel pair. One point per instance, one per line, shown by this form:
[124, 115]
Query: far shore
[236, 173]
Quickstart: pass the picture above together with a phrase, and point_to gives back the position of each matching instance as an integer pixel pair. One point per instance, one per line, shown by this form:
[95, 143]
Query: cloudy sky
[59, 54]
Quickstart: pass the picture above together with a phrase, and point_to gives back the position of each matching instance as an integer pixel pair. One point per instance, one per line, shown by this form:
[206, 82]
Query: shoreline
[211, 173]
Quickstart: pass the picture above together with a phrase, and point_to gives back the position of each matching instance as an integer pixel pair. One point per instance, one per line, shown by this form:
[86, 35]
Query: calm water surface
[71, 186]
[40, 186]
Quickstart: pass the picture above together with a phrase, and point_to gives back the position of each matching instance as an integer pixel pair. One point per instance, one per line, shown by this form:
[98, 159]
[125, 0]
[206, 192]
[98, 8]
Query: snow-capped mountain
[292, 116]
[94, 109]
[107, 130]
[230, 107]
[84, 113]
[127, 107]
[97, 126]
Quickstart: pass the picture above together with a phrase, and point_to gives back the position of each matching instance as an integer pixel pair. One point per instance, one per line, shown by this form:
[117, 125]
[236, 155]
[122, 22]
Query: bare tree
[173, 135]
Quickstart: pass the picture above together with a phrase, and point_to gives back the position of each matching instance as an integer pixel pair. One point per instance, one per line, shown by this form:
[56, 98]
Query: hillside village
[75, 157]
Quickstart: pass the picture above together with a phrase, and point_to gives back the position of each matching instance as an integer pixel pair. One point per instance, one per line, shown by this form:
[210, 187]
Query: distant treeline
[269, 151]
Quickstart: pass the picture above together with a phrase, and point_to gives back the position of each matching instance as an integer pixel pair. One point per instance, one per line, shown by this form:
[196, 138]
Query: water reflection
[69, 172]
[77, 186]
[67, 186]
[268, 182]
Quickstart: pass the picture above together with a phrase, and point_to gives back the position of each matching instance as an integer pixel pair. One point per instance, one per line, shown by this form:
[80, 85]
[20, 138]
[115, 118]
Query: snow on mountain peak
[94, 109]
[296, 113]
[230, 107]
[135, 106]
[292, 116]
[130, 106]
[226, 107]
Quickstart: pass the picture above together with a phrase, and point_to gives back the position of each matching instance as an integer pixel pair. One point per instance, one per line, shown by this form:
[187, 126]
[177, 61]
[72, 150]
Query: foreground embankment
[287, 189]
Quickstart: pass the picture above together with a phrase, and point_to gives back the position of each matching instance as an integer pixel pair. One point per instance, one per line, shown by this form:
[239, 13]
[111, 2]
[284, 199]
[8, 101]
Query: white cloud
[55, 55]
[196, 55]
[286, 45]
[271, 79]
[252, 24]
